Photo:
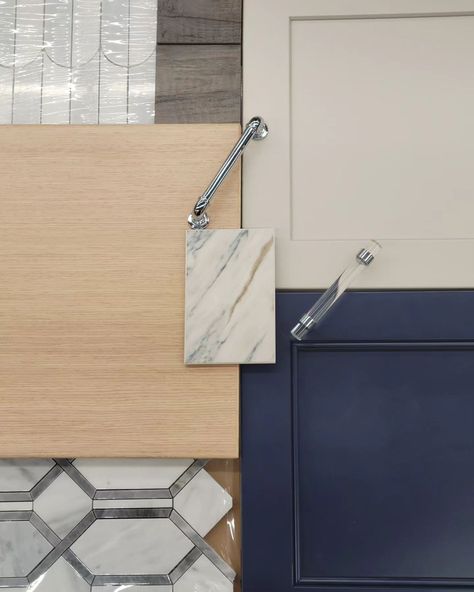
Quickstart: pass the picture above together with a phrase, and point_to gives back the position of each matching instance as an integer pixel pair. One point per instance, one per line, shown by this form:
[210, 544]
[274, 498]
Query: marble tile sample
[203, 576]
[132, 546]
[230, 296]
[31, 547]
[22, 474]
[110, 525]
[62, 505]
[61, 577]
[136, 473]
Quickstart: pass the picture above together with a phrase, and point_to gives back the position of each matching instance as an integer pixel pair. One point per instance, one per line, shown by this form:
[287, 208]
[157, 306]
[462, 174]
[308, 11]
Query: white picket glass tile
[22, 474]
[62, 505]
[30, 548]
[29, 31]
[86, 31]
[6, 95]
[85, 92]
[27, 92]
[142, 38]
[60, 577]
[58, 27]
[141, 92]
[56, 93]
[146, 473]
[188, 502]
[7, 32]
[115, 31]
[113, 106]
[95, 42]
[132, 546]
[203, 576]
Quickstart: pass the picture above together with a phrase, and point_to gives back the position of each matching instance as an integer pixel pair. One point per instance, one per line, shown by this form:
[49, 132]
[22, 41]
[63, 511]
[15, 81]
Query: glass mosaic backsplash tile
[110, 525]
[77, 61]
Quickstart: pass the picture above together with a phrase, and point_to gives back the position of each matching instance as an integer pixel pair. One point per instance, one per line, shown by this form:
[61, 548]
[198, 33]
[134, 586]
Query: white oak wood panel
[369, 104]
[92, 245]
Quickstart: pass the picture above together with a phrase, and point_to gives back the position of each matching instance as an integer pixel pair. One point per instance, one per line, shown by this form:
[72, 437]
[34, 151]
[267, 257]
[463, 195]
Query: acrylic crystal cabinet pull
[327, 300]
[230, 282]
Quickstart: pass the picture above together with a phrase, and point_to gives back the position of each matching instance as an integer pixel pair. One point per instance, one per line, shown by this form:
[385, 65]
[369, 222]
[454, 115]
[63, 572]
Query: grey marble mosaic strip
[186, 477]
[117, 494]
[185, 564]
[16, 515]
[81, 569]
[77, 477]
[15, 496]
[62, 546]
[46, 481]
[133, 513]
[201, 544]
[44, 529]
[158, 580]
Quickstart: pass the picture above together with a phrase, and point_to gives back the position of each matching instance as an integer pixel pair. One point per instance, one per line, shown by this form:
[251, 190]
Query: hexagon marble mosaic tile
[110, 526]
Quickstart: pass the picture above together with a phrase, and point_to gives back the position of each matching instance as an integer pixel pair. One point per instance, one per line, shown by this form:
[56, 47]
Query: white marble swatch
[203, 576]
[230, 296]
[132, 546]
[61, 577]
[203, 487]
[134, 473]
[63, 505]
[22, 474]
[21, 548]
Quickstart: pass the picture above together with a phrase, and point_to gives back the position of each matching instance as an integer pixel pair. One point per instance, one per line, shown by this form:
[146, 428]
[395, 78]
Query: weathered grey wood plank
[199, 21]
[198, 83]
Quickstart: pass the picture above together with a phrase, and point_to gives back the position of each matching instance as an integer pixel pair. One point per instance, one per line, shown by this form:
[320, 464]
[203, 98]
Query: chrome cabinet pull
[256, 129]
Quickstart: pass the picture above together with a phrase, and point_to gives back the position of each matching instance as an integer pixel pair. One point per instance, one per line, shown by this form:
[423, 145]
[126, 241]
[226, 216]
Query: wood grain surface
[92, 224]
[198, 83]
[199, 21]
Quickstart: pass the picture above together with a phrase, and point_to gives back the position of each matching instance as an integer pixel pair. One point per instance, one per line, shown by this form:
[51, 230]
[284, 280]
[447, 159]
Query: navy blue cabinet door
[358, 448]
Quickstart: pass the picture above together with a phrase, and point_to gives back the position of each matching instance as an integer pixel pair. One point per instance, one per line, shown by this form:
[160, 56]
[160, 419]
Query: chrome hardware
[256, 129]
[365, 256]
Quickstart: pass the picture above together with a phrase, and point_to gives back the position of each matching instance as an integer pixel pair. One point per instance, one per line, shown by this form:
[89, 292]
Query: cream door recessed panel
[372, 136]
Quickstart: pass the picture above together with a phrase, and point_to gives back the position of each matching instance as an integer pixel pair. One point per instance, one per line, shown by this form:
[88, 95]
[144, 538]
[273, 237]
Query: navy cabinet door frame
[398, 321]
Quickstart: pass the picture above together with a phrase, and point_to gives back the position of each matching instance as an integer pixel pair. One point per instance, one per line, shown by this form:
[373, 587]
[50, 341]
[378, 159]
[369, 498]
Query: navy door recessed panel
[358, 448]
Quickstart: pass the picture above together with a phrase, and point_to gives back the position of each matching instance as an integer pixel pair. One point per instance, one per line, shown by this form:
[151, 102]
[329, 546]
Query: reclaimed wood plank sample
[199, 21]
[198, 83]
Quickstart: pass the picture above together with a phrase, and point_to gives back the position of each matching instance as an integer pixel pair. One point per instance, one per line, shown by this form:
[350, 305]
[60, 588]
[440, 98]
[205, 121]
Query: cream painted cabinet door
[370, 105]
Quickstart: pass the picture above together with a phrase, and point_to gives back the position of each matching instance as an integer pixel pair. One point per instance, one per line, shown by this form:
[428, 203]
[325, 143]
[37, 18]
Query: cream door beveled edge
[266, 173]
